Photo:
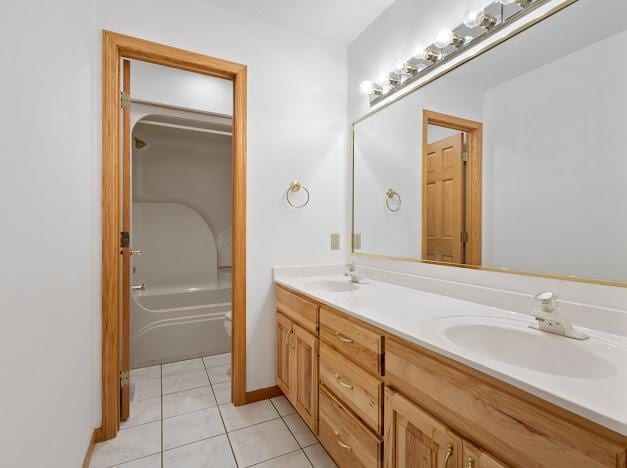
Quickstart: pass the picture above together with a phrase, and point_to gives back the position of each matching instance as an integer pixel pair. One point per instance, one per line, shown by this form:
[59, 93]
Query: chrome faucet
[550, 320]
[352, 273]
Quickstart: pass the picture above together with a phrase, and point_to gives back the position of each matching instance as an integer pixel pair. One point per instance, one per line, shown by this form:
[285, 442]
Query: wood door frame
[473, 192]
[116, 46]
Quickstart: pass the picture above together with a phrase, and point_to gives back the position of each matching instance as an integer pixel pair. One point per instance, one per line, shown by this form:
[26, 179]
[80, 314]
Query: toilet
[228, 327]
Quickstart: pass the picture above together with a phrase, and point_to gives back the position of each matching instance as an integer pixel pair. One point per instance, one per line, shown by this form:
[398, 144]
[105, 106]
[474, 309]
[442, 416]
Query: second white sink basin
[332, 285]
[513, 342]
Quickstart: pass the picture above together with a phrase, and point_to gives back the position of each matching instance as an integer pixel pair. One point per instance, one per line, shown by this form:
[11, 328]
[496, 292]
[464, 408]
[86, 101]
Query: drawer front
[347, 440]
[495, 416]
[363, 345]
[359, 390]
[297, 309]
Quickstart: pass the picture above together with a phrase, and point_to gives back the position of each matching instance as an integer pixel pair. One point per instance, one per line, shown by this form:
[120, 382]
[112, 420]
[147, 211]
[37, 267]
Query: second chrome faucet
[352, 273]
[550, 320]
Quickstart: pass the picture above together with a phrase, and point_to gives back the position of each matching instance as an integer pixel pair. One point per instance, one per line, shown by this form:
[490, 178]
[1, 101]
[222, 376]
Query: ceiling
[340, 21]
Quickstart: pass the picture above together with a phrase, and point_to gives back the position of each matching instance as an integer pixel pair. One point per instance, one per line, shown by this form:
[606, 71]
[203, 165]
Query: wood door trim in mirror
[474, 130]
[115, 47]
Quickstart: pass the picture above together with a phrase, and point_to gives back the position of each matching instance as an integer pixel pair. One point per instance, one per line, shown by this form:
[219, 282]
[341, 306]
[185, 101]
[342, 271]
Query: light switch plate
[356, 241]
[335, 241]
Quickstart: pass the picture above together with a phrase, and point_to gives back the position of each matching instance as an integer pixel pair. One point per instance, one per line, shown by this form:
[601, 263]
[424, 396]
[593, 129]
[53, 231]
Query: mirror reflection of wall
[552, 183]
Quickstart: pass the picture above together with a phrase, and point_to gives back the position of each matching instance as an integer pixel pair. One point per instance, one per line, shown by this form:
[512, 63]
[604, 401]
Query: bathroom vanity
[491, 150]
[376, 373]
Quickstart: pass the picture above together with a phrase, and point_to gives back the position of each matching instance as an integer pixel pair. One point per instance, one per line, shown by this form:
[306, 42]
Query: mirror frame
[389, 100]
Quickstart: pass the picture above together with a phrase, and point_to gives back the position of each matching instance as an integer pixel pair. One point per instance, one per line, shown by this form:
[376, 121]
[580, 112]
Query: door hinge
[464, 156]
[464, 237]
[125, 100]
[124, 239]
[124, 379]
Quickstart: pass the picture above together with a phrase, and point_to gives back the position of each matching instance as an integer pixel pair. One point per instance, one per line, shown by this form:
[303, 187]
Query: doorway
[116, 245]
[451, 189]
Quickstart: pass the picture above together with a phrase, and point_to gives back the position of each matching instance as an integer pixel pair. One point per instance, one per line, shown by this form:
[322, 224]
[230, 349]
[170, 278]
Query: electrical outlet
[335, 241]
[356, 241]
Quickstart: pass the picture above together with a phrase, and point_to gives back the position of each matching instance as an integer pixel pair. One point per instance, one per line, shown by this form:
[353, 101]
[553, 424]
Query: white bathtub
[175, 324]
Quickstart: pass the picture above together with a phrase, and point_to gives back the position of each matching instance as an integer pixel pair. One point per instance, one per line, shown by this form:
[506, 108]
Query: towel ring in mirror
[295, 186]
[391, 193]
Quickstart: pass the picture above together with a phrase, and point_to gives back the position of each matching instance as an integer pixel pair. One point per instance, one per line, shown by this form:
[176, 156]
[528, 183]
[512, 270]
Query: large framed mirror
[513, 161]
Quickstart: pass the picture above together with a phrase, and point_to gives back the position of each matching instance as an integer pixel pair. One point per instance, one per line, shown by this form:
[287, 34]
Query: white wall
[395, 34]
[296, 130]
[46, 274]
[174, 87]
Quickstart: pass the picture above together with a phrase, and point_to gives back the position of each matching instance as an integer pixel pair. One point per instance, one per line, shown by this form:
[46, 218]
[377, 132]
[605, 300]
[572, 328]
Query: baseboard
[96, 436]
[263, 394]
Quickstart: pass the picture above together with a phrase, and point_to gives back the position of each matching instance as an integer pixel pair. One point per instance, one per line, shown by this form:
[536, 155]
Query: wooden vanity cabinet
[297, 368]
[512, 425]
[473, 457]
[413, 438]
[374, 399]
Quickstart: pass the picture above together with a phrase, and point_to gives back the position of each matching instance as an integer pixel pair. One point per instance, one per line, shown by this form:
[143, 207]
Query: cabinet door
[284, 360]
[414, 439]
[473, 457]
[305, 393]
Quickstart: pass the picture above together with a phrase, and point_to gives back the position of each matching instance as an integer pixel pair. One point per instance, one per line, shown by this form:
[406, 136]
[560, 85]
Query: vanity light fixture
[446, 37]
[368, 88]
[521, 3]
[476, 16]
[405, 73]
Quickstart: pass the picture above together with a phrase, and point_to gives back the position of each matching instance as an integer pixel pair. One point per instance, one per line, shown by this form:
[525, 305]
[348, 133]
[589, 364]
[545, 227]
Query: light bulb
[398, 67]
[365, 87]
[476, 16]
[444, 38]
[368, 88]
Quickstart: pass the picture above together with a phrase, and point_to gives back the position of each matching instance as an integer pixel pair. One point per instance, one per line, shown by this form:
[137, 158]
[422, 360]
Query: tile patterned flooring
[182, 417]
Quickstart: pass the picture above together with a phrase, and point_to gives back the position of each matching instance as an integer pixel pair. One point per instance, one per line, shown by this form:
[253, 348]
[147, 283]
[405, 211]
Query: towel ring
[295, 186]
[391, 193]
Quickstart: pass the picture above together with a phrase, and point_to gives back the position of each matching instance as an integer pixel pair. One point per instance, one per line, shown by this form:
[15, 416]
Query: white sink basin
[513, 342]
[332, 285]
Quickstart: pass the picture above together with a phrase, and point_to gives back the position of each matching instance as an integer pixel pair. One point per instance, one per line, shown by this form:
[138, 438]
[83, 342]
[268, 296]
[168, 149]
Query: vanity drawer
[298, 309]
[516, 427]
[359, 390]
[359, 343]
[347, 440]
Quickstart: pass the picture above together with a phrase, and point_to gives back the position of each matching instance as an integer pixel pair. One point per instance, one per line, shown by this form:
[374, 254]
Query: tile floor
[182, 417]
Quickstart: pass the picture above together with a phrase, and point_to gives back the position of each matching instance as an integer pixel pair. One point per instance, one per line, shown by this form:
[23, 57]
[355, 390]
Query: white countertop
[417, 316]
